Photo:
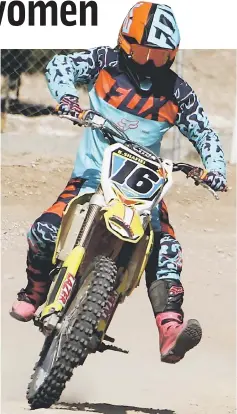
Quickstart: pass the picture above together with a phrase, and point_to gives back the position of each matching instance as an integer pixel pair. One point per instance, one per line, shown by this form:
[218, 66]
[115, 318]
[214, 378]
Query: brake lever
[198, 181]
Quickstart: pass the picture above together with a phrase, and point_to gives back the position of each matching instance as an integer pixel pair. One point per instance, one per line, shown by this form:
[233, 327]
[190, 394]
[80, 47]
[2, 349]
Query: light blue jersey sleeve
[194, 124]
[64, 72]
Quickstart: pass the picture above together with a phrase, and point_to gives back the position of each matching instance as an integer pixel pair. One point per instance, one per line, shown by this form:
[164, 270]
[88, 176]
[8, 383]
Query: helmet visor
[142, 54]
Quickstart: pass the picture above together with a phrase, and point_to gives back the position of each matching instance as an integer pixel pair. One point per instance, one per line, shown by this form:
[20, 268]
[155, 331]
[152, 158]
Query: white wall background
[204, 24]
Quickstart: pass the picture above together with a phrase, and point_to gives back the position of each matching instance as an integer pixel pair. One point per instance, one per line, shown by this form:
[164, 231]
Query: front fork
[95, 205]
[63, 283]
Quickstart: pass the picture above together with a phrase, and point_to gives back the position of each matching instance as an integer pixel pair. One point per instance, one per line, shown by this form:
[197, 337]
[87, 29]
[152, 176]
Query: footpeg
[104, 347]
[108, 338]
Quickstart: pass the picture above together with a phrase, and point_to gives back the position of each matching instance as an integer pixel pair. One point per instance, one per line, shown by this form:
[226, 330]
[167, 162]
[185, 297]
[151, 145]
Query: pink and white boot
[176, 337]
[23, 308]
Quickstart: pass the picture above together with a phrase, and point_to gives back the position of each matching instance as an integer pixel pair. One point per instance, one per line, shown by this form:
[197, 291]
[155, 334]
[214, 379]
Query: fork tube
[89, 219]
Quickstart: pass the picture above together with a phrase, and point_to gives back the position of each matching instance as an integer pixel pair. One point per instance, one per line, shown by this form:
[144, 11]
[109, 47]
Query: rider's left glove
[69, 105]
[215, 180]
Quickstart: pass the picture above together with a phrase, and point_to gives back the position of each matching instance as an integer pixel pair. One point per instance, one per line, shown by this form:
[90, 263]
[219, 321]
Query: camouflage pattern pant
[165, 261]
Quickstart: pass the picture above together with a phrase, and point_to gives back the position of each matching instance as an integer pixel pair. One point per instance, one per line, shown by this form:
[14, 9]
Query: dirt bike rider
[134, 86]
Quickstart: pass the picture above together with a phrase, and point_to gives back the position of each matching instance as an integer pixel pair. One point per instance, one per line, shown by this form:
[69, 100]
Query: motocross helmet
[148, 42]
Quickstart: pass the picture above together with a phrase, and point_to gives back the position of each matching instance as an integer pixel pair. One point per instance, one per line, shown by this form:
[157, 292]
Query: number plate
[134, 175]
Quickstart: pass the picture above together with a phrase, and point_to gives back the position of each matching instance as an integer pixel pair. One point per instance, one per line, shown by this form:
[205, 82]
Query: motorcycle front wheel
[68, 346]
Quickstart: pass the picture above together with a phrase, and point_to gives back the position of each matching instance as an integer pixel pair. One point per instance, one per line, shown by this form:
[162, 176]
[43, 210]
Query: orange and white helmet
[149, 33]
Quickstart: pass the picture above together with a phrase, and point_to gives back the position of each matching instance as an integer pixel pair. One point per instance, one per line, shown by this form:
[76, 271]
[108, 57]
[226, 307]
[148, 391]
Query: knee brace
[42, 237]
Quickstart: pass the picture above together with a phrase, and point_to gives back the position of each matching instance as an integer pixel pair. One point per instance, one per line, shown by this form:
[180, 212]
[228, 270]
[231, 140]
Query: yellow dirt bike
[102, 249]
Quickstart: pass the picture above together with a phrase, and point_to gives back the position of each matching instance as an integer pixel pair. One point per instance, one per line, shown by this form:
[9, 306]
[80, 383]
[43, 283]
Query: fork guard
[72, 218]
[63, 283]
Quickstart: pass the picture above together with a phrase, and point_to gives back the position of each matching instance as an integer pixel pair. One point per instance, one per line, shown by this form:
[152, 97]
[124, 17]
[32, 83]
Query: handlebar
[94, 120]
[194, 173]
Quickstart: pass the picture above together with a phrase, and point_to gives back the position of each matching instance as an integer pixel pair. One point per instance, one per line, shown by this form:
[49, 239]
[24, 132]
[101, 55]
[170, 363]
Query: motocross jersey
[145, 119]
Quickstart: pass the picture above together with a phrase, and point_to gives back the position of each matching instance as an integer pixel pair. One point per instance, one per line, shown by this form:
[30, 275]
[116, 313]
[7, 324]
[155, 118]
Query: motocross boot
[176, 337]
[34, 294]
[29, 299]
[23, 309]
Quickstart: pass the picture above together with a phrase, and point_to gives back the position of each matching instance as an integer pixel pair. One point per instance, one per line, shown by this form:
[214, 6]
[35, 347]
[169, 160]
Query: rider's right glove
[69, 105]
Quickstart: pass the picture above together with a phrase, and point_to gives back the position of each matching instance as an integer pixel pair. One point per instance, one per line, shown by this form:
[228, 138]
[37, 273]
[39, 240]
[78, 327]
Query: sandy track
[203, 383]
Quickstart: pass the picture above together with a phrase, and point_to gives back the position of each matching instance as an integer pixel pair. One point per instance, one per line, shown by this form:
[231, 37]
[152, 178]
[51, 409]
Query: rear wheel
[68, 347]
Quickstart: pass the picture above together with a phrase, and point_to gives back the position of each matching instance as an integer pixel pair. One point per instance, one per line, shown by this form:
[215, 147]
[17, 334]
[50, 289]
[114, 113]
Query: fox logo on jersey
[125, 124]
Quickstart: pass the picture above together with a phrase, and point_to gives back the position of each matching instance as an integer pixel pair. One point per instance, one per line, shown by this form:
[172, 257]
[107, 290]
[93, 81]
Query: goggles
[142, 54]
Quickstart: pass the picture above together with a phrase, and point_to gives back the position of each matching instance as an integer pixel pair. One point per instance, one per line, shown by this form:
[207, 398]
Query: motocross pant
[165, 261]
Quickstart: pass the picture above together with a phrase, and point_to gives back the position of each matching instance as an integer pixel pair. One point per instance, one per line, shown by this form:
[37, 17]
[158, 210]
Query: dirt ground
[204, 382]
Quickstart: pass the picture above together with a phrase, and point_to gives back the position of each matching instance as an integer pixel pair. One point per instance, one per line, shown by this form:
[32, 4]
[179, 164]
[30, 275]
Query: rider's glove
[69, 105]
[215, 180]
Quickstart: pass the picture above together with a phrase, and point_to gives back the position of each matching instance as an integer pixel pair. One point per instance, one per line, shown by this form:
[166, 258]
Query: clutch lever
[86, 118]
[73, 119]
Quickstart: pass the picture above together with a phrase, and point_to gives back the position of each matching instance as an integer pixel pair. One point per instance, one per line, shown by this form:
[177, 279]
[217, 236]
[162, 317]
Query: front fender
[124, 222]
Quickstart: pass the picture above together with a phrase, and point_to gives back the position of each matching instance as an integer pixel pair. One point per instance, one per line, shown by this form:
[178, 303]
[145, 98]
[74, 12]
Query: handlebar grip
[56, 109]
[81, 114]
